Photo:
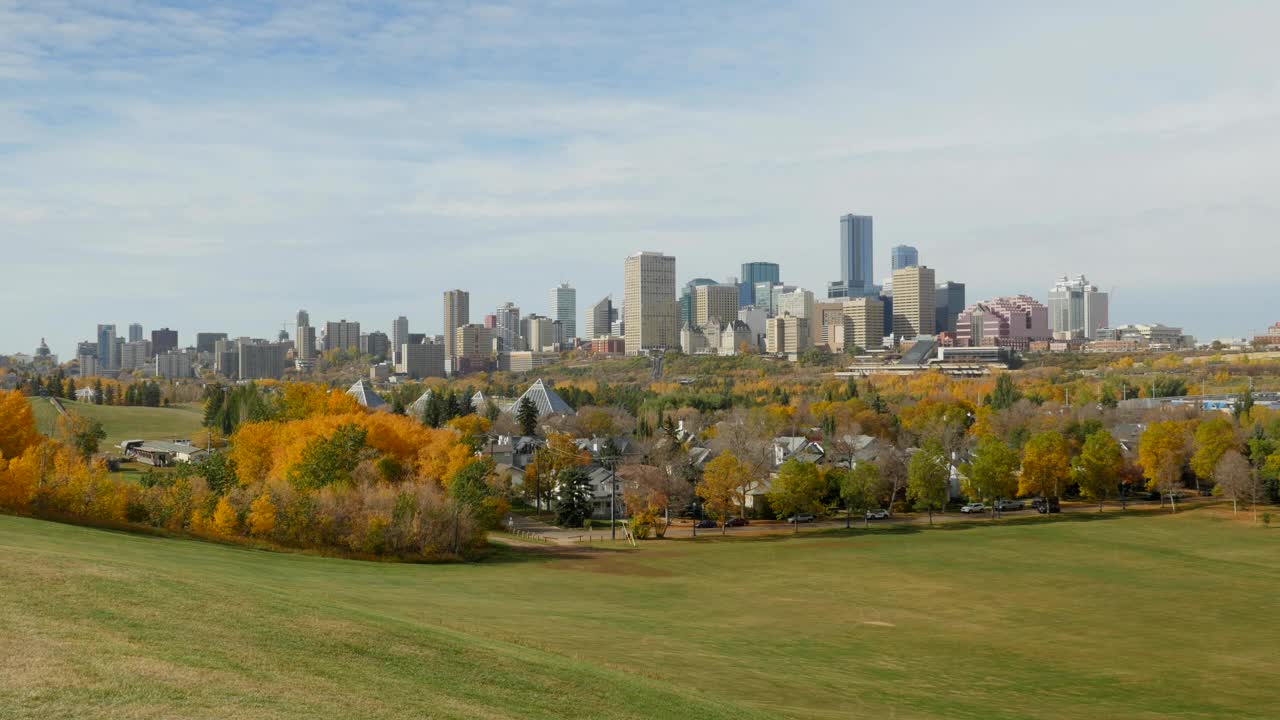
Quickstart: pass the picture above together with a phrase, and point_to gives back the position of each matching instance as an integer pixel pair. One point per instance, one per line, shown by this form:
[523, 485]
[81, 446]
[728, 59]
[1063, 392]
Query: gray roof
[545, 399]
[363, 392]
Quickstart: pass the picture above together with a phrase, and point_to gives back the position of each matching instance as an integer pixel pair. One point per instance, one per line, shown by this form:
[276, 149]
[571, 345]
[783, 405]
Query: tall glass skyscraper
[564, 307]
[903, 256]
[856, 258]
[752, 273]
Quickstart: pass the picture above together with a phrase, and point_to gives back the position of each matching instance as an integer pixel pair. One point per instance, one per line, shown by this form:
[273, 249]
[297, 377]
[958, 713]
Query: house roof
[169, 447]
[363, 392]
[545, 399]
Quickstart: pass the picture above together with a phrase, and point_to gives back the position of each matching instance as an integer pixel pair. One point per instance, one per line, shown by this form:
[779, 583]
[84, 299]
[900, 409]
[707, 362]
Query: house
[162, 454]
[514, 450]
[797, 447]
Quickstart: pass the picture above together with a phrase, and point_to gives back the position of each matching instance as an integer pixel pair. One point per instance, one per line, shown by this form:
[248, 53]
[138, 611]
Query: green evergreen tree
[527, 416]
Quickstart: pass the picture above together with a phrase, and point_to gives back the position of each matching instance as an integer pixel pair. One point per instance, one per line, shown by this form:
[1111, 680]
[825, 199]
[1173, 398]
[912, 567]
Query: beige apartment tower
[457, 312]
[650, 308]
[914, 308]
[863, 323]
[714, 301]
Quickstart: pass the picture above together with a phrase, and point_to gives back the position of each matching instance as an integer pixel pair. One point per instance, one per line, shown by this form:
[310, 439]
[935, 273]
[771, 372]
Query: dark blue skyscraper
[752, 273]
[856, 262]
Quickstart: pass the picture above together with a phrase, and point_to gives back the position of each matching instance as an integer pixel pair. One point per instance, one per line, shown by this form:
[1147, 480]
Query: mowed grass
[125, 423]
[1138, 616]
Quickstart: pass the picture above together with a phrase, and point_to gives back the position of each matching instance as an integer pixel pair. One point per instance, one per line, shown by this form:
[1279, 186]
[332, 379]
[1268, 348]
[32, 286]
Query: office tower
[949, 302]
[399, 336]
[205, 341]
[491, 322]
[304, 342]
[863, 323]
[135, 354]
[457, 312]
[650, 308]
[341, 335]
[375, 344]
[903, 256]
[473, 348]
[538, 332]
[914, 306]
[106, 346]
[564, 307]
[600, 318]
[787, 335]
[714, 305]
[1077, 309]
[856, 258]
[506, 327]
[752, 273]
[422, 359]
[174, 364]
[686, 300]
[163, 340]
[135, 332]
[797, 301]
[88, 364]
[1013, 322]
[259, 359]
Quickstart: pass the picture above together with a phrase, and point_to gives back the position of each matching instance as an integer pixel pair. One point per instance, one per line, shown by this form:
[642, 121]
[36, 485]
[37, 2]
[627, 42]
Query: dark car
[803, 518]
[705, 524]
[735, 522]
[1046, 505]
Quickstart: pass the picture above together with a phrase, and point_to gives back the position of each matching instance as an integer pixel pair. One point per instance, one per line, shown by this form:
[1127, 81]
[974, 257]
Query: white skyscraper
[506, 327]
[399, 336]
[650, 308]
[564, 307]
[1077, 309]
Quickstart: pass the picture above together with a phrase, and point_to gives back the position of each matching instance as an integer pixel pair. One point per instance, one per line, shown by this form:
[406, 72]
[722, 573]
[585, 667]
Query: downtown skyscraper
[649, 307]
[564, 307]
[856, 258]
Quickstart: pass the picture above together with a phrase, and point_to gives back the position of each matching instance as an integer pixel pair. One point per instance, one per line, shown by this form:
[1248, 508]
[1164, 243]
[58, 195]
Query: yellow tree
[225, 521]
[17, 424]
[1162, 451]
[262, 515]
[724, 481]
[1046, 465]
[1213, 439]
[1099, 467]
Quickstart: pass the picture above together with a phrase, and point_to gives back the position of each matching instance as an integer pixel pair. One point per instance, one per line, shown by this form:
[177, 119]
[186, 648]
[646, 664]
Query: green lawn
[1140, 616]
[126, 423]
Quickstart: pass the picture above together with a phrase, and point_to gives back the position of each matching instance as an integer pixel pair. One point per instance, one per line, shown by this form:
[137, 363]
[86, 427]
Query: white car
[877, 514]
[974, 508]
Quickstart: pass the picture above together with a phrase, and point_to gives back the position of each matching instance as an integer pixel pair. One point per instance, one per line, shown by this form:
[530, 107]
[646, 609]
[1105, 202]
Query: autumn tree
[724, 484]
[262, 515]
[798, 488]
[993, 473]
[1162, 451]
[1046, 465]
[859, 488]
[1099, 466]
[82, 433]
[330, 461]
[1005, 394]
[927, 476]
[893, 471]
[1235, 479]
[225, 520]
[17, 424]
[1213, 439]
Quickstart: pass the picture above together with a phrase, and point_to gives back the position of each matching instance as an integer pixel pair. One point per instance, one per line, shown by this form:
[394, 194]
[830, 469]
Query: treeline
[146, 393]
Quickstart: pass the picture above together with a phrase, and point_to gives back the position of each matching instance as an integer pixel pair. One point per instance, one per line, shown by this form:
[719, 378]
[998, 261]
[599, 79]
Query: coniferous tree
[527, 416]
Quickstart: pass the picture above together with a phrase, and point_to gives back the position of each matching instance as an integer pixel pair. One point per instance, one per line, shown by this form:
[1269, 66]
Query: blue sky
[217, 167]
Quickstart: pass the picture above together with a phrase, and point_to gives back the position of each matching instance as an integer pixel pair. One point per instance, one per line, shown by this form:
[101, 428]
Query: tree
[97, 391]
[527, 416]
[859, 488]
[797, 489]
[724, 478]
[1162, 450]
[1243, 404]
[262, 515]
[1046, 465]
[81, 433]
[17, 425]
[1213, 439]
[1236, 479]
[993, 473]
[225, 519]
[330, 461]
[927, 475]
[1005, 394]
[893, 472]
[1099, 466]
[573, 497]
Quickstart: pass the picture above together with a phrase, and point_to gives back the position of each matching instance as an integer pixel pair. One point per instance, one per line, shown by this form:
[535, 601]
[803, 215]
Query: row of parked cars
[1040, 505]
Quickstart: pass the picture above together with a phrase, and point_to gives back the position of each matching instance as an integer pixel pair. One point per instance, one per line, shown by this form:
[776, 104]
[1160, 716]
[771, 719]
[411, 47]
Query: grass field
[1139, 616]
[125, 423]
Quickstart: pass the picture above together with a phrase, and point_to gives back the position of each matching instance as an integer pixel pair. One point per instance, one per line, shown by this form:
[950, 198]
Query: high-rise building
[649, 279]
[600, 318]
[457, 312]
[341, 335]
[106, 346]
[903, 256]
[857, 262]
[88, 365]
[506, 327]
[259, 359]
[714, 305]
[1077, 309]
[949, 302]
[304, 343]
[1013, 322]
[206, 341]
[163, 340]
[686, 300]
[564, 307]
[538, 332]
[914, 306]
[375, 344]
[752, 273]
[399, 336]
[797, 301]
[863, 323]
[473, 345]
[135, 332]
[174, 364]
[135, 354]
[420, 360]
[787, 335]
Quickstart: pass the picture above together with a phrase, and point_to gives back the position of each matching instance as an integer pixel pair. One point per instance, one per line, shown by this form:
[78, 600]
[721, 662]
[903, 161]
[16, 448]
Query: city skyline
[113, 169]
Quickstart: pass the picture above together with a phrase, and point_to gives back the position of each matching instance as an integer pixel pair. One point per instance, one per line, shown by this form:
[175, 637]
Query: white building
[650, 308]
[1077, 309]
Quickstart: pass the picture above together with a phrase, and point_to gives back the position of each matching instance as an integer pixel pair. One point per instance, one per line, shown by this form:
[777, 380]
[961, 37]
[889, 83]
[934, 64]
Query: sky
[216, 167]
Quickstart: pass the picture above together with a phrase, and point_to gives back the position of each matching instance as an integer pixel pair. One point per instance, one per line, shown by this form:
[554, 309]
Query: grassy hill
[126, 423]
[1136, 616]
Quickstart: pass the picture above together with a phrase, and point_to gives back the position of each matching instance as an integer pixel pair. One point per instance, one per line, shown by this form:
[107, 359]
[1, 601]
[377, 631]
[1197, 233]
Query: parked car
[1009, 505]
[803, 518]
[705, 524]
[1046, 505]
[877, 514]
[736, 522]
[974, 508]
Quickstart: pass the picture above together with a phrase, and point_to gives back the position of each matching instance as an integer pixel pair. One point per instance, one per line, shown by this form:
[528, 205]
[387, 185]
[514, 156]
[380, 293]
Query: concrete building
[914, 304]
[457, 312]
[608, 345]
[903, 256]
[135, 332]
[526, 361]
[342, 335]
[164, 340]
[106, 348]
[649, 279]
[786, 335]
[135, 354]
[564, 307]
[205, 341]
[473, 341]
[755, 318]
[863, 323]
[600, 318]
[1010, 322]
[175, 364]
[376, 344]
[1153, 336]
[539, 332]
[949, 302]
[399, 336]
[421, 360]
[857, 262]
[752, 274]
[259, 359]
[797, 301]
[88, 365]
[1268, 339]
[718, 303]
[507, 328]
[686, 309]
[1077, 309]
